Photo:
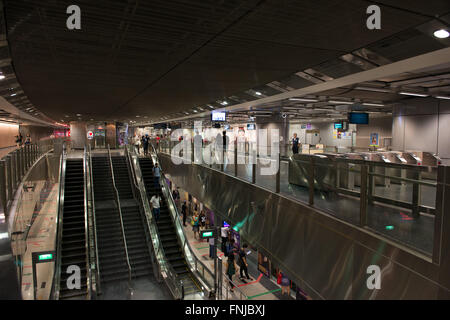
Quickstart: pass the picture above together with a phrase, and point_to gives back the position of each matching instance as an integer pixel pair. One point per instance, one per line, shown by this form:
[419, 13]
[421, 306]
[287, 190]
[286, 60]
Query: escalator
[111, 250]
[138, 249]
[73, 243]
[167, 232]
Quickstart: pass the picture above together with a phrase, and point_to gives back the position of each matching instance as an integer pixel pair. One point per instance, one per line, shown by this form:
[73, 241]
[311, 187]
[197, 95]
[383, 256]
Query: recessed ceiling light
[195, 111]
[138, 116]
[2, 77]
[78, 115]
[14, 94]
[224, 103]
[441, 34]
[211, 107]
[413, 94]
[258, 93]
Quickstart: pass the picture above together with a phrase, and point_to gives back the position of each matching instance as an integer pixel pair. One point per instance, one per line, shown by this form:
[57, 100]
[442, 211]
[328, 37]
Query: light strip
[304, 100]
[442, 97]
[413, 94]
[373, 89]
[340, 102]
[373, 105]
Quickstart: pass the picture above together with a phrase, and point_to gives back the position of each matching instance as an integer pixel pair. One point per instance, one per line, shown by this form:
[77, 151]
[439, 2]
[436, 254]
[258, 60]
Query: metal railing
[116, 195]
[59, 224]
[86, 224]
[93, 233]
[313, 179]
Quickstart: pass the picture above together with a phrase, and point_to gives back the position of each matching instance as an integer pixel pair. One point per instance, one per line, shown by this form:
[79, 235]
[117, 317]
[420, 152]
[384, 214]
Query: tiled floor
[260, 288]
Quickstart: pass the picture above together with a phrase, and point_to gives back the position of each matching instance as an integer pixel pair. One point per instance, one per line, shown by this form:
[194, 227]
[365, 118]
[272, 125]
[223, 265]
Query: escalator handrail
[167, 268]
[175, 216]
[116, 194]
[97, 267]
[86, 230]
[59, 219]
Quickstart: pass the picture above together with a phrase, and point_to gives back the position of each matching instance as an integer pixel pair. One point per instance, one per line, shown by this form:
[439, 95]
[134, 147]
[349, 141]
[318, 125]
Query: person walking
[155, 205]
[231, 270]
[156, 175]
[243, 265]
[184, 212]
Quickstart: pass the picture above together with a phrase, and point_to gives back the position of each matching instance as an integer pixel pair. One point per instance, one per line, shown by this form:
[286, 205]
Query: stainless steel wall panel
[326, 256]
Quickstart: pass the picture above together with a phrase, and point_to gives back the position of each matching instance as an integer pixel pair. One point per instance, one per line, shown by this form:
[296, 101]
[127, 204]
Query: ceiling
[154, 59]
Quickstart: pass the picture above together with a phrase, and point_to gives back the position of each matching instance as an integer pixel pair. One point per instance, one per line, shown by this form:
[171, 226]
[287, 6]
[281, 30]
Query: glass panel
[334, 188]
[395, 204]
[294, 179]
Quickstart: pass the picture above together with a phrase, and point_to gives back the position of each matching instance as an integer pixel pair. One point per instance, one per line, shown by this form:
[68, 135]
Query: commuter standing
[156, 175]
[231, 270]
[137, 143]
[212, 252]
[155, 204]
[285, 284]
[295, 144]
[145, 142]
[243, 265]
[196, 225]
[224, 236]
[184, 212]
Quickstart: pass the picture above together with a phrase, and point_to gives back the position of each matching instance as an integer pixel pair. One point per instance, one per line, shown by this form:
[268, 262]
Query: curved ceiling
[152, 58]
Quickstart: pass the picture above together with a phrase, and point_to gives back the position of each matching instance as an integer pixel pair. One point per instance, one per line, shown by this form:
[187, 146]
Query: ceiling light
[195, 111]
[340, 102]
[2, 77]
[441, 34]
[258, 93]
[137, 116]
[413, 94]
[442, 97]
[373, 105]
[373, 89]
[303, 99]
[211, 107]
[14, 94]
[78, 115]
[224, 103]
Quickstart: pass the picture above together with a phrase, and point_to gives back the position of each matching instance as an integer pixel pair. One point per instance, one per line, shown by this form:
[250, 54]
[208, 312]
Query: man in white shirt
[155, 204]
[224, 236]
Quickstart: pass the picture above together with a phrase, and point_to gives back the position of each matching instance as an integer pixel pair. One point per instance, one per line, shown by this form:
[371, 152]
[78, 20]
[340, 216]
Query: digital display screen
[338, 125]
[358, 118]
[218, 116]
[227, 127]
[251, 126]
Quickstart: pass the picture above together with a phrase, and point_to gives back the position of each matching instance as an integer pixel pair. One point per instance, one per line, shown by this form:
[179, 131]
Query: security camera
[284, 115]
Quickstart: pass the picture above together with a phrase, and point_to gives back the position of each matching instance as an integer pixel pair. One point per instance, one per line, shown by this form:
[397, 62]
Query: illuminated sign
[47, 256]
[205, 234]
[90, 134]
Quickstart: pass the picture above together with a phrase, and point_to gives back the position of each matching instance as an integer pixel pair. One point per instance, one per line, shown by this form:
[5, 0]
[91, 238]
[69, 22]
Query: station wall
[423, 125]
[8, 134]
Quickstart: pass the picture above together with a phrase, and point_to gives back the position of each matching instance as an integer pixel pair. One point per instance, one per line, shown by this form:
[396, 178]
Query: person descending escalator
[156, 175]
[145, 143]
[137, 143]
[155, 205]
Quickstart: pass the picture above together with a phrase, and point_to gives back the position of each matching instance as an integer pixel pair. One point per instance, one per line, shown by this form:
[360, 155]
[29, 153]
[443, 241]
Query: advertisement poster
[374, 140]
[263, 264]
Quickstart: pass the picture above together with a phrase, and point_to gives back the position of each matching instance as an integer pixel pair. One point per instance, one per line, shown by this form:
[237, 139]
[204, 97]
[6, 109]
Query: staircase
[73, 245]
[167, 231]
